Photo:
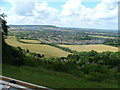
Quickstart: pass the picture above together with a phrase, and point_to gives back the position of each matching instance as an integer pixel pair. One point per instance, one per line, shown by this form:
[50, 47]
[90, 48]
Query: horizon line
[61, 26]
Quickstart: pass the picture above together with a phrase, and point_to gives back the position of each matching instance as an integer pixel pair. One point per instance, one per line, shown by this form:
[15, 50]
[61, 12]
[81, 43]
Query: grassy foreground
[52, 79]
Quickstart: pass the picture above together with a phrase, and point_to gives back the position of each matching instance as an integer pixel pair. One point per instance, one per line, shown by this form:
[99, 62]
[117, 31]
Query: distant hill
[32, 26]
[55, 28]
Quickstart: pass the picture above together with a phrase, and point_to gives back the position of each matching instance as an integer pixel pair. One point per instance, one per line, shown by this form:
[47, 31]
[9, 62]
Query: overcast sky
[98, 14]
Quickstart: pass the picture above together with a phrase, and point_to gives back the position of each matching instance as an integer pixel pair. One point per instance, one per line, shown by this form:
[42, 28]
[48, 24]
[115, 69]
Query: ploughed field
[95, 47]
[47, 50]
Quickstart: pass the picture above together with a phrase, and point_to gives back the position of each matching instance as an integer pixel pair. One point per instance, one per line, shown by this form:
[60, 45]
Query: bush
[59, 66]
[87, 68]
[77, 72]
[31, 61]
[13, 55]
[95, 76]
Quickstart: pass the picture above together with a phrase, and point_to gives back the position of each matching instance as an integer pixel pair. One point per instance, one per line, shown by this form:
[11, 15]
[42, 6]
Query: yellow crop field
[95, 47]
[31, 41]
[101, 36]
[97, 33]
[47, 50]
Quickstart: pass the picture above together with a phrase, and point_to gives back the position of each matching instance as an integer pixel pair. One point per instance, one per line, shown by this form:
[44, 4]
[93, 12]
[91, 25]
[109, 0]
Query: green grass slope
[52, 79]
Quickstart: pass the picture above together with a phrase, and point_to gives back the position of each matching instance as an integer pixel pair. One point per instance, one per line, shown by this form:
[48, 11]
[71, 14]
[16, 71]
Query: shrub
[95, 76]
[87, 68]
[13, 55]
[77, 72]
[31, 61]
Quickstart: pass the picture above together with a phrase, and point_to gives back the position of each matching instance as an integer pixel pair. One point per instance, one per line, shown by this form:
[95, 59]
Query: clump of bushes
[12, 55]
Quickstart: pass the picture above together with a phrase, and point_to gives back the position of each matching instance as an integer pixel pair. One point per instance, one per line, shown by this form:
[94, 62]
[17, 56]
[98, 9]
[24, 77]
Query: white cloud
[22, 8]
[105, 10]
[42, 11]
[74, 14]
[32, 13]
[71, 7]
[104, 14]
[15, 19]
[2, 9]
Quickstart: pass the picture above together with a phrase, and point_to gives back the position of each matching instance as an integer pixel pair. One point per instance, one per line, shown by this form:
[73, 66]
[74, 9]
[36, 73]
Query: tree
[38, 56]
[42, 55]
[27, 51]
[10, 55]
[3, 26]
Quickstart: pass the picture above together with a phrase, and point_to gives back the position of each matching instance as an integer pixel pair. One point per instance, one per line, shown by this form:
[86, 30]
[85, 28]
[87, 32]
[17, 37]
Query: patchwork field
[30, 41]
[102, 36]
[47, 50]
[96, 47]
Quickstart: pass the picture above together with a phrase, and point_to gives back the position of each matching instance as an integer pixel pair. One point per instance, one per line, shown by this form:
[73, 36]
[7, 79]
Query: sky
[97, 14]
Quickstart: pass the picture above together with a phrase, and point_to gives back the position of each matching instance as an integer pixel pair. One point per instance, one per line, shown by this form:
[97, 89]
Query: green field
[52, 79]
[47, 50]
[95, 47]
